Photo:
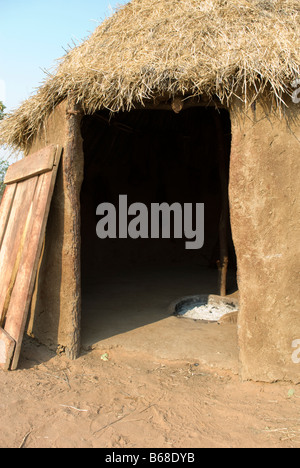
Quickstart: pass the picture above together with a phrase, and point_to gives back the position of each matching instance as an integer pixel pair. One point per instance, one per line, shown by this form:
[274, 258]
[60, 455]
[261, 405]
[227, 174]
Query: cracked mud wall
[265, 215]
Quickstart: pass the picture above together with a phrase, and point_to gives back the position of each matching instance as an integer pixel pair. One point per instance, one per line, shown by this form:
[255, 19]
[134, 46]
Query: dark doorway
[151, 156]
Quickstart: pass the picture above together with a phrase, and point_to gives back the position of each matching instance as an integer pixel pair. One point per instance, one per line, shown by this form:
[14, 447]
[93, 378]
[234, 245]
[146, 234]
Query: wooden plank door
[23, 217]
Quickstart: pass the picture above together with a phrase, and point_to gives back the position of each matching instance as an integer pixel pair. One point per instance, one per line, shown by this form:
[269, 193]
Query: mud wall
[55, 310]
[265, 216]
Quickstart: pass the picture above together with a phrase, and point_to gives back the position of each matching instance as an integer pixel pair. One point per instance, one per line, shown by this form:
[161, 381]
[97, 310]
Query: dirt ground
[114, 398]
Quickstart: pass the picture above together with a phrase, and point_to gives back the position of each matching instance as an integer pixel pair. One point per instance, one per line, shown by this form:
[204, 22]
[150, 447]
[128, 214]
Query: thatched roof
[154, 47]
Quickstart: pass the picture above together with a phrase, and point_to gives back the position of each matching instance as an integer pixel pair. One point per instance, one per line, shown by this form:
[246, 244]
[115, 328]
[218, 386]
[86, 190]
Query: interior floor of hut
[152, 156]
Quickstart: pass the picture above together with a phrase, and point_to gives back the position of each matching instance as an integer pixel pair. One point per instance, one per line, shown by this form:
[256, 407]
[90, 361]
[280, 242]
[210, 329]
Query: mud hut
[149, 105]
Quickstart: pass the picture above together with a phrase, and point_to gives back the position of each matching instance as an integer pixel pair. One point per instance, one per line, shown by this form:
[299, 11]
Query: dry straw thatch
[168, 47]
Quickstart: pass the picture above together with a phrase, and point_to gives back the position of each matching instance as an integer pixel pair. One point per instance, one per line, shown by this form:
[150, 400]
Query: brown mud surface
[137, 400]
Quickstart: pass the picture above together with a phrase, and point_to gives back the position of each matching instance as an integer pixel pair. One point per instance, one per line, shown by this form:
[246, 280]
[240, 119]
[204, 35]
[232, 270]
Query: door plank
[7, 347]
[5, 208]
[31, 166]
[12, 241]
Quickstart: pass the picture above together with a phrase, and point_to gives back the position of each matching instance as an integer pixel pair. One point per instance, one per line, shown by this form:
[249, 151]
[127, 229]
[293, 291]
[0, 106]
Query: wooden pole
[224, 218]
[73, 167]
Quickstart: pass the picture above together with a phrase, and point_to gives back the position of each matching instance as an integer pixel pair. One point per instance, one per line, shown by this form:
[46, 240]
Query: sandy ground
[136, 400]
[145, 379]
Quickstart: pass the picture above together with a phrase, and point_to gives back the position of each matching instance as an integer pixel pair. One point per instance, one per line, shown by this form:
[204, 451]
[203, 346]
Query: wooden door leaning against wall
[24, 212]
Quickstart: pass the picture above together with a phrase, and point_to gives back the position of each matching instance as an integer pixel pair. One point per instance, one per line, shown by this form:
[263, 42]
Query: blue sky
[34, 34]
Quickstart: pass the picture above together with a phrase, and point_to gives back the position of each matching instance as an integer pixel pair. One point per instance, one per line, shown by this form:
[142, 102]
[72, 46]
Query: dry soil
[118, 398]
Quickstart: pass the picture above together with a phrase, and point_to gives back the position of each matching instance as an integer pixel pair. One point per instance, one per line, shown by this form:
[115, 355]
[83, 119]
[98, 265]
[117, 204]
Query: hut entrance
[151, 156]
